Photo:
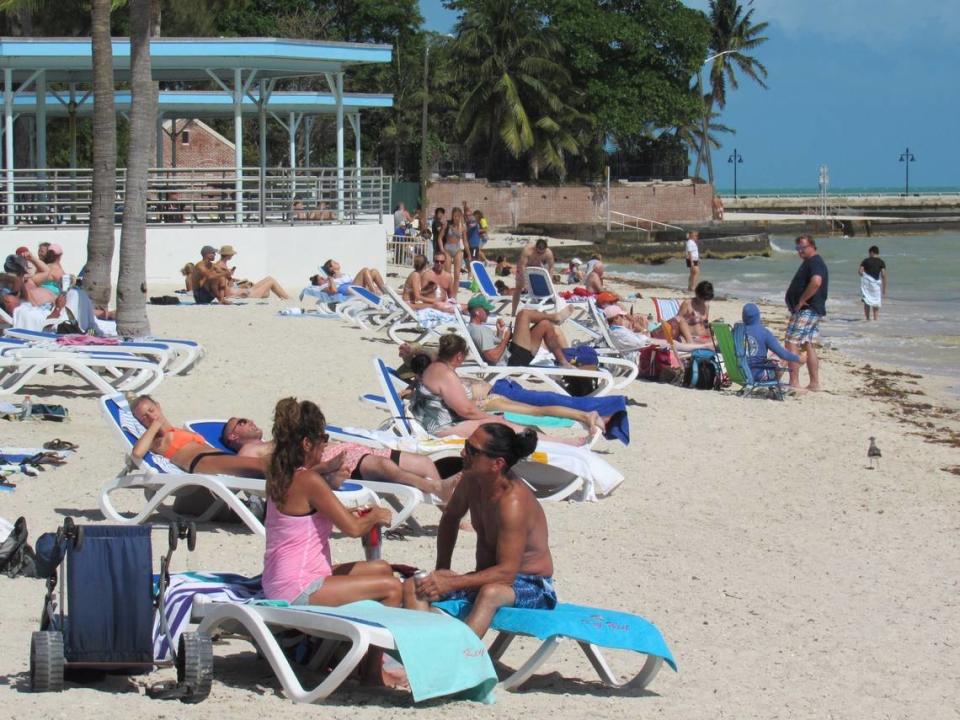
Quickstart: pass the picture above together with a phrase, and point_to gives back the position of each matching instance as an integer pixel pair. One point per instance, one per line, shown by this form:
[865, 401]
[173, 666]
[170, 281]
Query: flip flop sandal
[59, 444]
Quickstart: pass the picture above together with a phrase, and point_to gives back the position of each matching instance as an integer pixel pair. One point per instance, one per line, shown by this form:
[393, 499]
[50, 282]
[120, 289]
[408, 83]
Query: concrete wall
[290, 254]
[508, 205]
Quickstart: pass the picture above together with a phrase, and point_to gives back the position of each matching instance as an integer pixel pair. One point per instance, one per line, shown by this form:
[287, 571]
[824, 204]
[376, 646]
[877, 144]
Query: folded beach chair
[441, 655]
[368, 310]
[108, 372]
[403, 498]
[731, 345]
[665, 308]
[554, 472]
[591, 628]
[488, 288]
[160, 480]
[612, 374]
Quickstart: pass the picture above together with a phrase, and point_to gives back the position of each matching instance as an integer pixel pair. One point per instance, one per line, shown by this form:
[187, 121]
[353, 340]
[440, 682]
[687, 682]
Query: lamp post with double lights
[906, 157]
[737, 159]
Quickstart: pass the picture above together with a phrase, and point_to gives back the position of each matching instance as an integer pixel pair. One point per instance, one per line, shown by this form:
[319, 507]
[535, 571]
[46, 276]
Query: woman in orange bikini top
[186, 449]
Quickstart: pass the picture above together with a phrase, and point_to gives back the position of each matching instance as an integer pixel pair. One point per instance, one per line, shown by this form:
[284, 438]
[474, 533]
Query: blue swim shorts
[533, 592]
[804, 327]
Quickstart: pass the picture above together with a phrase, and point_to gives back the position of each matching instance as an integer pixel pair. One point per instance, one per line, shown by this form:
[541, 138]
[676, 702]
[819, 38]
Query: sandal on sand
[59, 444]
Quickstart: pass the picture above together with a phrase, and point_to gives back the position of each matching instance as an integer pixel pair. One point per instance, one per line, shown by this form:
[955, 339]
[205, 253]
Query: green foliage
[734, 33]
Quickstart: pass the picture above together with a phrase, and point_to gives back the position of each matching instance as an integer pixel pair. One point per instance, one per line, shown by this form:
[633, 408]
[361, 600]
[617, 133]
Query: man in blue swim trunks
[514, 565]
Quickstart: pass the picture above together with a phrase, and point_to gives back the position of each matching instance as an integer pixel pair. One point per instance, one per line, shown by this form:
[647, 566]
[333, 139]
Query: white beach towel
[871, 290]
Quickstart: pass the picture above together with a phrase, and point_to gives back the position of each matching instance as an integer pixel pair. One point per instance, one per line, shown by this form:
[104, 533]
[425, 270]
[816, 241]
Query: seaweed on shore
[887, 386]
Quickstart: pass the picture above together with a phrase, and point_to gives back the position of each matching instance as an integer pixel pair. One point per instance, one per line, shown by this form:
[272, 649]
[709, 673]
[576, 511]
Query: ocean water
[919, 327]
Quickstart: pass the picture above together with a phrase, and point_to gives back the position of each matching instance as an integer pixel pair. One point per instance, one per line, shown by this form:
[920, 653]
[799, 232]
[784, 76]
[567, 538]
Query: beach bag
[164, 300]
[656, 362]
[703, 372]
[585, 358]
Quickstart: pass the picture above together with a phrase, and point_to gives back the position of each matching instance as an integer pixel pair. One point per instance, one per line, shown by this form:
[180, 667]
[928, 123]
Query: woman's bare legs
[376, 467]
[350, 582]
[590, 420]
[457, 264]
[264, 287]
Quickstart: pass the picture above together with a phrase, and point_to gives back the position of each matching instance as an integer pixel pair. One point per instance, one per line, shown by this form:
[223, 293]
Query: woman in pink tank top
[301, 513]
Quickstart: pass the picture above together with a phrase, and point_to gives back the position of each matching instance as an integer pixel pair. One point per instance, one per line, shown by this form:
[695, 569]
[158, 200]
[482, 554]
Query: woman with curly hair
[302, 512]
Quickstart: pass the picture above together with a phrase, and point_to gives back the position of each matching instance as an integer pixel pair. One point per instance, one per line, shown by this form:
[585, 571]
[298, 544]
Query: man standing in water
[873, 283]
[693, 258]
[807, 301]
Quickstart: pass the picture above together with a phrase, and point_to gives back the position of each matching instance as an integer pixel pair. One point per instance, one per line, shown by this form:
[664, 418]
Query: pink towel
[86, 340]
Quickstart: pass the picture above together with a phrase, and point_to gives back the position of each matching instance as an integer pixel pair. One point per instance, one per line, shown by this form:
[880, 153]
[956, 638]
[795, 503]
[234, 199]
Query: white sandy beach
[788, 579]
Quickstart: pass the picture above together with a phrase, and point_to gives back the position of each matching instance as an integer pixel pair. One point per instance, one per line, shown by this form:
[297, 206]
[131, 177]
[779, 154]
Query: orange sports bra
[180, 438]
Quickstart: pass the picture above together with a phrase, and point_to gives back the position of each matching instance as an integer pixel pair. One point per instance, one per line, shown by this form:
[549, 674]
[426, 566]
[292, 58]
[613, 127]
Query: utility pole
[424, 169]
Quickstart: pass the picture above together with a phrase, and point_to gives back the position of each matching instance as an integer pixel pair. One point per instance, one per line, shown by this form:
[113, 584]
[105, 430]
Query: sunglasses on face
[473, 451]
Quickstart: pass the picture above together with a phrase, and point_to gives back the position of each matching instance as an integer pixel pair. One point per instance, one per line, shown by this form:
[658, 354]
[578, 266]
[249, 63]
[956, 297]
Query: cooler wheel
[46, 661]
[195, 666]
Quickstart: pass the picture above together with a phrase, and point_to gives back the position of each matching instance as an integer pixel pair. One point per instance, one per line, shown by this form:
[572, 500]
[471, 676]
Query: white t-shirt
[628, 342]
[693, 252]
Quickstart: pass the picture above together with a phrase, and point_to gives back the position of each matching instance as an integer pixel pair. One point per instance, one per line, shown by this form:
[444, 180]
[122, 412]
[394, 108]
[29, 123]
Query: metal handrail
[56, 196]
[637, 220]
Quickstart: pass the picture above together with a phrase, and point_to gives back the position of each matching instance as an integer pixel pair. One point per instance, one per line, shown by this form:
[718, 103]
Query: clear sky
[852, 83]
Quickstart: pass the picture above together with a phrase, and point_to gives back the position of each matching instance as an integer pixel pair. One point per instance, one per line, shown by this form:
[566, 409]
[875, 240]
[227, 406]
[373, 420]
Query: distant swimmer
[873, 283]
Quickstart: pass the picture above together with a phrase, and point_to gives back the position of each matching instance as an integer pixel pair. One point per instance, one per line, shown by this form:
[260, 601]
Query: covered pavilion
[52, 76]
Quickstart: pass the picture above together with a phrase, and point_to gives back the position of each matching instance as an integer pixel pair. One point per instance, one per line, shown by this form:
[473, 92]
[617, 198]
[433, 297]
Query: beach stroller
[101, 617]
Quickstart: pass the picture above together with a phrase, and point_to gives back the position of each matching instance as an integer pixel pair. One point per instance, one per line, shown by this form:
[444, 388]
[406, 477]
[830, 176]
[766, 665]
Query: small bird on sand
[873, 452]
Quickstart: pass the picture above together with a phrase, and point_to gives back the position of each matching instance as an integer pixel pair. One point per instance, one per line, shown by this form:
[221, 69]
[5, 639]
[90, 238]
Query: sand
[788, 579]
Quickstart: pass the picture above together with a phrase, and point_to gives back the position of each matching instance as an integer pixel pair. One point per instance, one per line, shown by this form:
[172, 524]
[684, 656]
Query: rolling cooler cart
[101, 617]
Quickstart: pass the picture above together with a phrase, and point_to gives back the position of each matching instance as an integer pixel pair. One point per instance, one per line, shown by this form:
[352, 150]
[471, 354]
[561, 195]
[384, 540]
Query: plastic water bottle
[26, 408]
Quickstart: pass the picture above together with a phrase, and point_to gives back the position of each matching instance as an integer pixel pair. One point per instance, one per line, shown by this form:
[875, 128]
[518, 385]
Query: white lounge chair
[554, 472]
[107, 372]
[550, 375]
[488, 287]
[450, 660]
[161, 480]
[404, 498]
[414, 327]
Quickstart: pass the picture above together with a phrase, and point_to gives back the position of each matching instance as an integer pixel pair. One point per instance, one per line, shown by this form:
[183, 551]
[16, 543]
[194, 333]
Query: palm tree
[131, 284]
[100, 238]
[691, 135]
[515, 84]
[733, 36]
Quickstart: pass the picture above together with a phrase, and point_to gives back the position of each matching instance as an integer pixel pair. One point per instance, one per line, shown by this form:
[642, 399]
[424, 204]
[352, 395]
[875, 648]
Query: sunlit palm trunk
[132, 284]
[100, 241]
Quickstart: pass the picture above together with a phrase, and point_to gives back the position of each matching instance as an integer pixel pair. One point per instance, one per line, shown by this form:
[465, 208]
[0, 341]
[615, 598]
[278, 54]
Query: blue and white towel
[430, 318]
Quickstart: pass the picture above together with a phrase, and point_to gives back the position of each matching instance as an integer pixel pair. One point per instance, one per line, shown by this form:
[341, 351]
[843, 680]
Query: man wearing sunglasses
[514, 564]
[807, 301]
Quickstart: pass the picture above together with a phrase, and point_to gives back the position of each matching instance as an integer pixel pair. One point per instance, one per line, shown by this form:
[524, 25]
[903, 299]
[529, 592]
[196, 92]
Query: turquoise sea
[919, 325]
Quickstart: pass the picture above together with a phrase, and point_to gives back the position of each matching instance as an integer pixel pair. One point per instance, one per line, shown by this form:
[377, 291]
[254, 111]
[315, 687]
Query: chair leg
[643, 678]
[521, 674]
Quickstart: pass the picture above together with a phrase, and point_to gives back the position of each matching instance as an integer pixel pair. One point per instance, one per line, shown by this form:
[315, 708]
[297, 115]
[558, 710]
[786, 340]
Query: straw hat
[227, 251]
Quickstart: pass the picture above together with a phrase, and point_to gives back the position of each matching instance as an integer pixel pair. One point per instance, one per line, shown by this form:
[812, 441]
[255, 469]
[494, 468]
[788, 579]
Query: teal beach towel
[441, 655]
[605, 628]
[544, 421]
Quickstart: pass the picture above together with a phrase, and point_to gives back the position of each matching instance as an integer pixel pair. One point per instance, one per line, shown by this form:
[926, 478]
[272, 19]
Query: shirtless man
[594, 281]
[437, 282]
[413, 285]
[347, 460]
[513, 562]
[536, 255]
[692, 319]
[210, 281]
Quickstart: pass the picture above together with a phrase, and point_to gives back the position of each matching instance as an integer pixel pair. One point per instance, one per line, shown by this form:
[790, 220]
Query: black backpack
[703, 372]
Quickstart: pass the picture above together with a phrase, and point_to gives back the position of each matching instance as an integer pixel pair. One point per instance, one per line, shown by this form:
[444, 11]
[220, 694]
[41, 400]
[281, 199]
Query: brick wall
[507, 205]
[205, 147]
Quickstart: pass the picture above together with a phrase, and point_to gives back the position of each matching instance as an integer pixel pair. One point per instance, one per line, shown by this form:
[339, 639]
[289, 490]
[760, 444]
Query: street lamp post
[906, 157]
[737, 159]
